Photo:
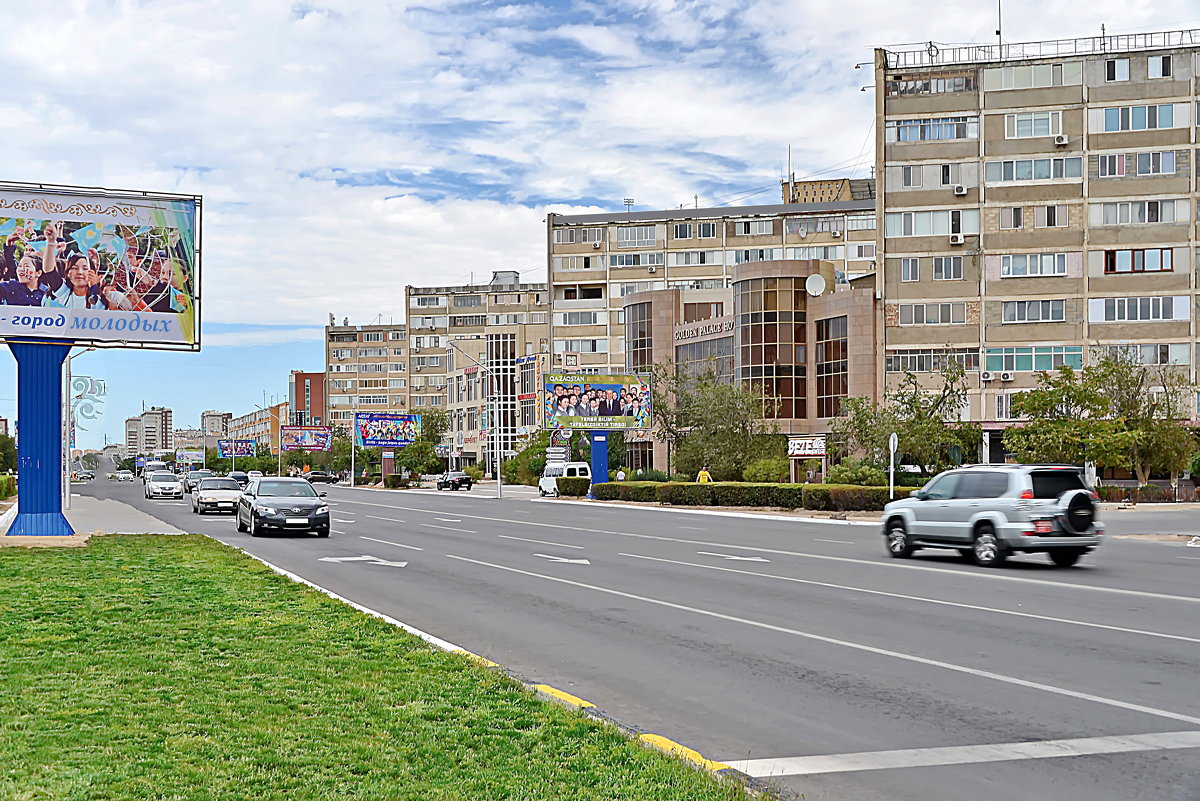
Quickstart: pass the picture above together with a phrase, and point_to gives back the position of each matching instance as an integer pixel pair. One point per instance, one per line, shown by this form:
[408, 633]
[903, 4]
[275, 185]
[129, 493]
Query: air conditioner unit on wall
[836, 234]
[595, 246]
[986, 375]
[1061, 139]
[960, 190]
[1007, 376]
[957, 239]
[651, 269]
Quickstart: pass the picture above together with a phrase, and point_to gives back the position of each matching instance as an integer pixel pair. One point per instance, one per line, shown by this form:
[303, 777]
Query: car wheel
[1065, 557]
[899, 543]
[238, 517]
[541, 492]
[195, 509]
[322, 532]
[988, 550]
[254, 529]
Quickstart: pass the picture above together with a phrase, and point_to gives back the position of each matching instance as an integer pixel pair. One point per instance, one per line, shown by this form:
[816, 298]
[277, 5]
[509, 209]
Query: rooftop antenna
[628, 203]
[696, 200]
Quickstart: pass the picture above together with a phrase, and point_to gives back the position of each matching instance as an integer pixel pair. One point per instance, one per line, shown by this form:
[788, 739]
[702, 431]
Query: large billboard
[235, 447]
[306, 438]
[189, 456]
[100, 267]
[385, 429]
[597, 402]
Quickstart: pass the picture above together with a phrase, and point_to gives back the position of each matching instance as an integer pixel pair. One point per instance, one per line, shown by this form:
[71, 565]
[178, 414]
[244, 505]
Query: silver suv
[989, 511]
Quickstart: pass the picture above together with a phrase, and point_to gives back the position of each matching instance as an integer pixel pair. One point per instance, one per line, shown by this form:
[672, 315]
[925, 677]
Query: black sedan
[241, 477]
[282, 504]
[321, 477]
[454, 481]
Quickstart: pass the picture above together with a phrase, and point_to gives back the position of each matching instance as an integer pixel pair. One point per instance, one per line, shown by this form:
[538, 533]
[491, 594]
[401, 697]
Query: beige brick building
[1036, 201]
[366, 369]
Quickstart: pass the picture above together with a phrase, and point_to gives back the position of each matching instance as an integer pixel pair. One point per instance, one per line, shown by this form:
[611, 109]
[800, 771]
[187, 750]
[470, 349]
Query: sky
[347, 148]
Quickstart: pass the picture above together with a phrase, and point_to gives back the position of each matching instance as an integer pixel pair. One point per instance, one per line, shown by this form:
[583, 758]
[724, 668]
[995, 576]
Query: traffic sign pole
[893, 444]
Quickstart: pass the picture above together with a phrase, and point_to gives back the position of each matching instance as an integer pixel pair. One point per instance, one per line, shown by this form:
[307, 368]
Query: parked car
[124, 475]
[216, 495]
[990, 511]
[86, 475]
[548, 483]
[320, 477]
[282, 504]
[455, 480]
[193, 478]
[253, 474]
[164, 485]
[240, 477]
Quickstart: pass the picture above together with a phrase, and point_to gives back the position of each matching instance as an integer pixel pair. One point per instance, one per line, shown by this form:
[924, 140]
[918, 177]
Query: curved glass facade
[639, 343]
[772, 339]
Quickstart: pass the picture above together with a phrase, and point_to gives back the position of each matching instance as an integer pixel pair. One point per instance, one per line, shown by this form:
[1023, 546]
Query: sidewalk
[92, 516]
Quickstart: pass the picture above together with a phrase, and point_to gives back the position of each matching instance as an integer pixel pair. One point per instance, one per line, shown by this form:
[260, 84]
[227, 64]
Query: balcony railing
[935, 54]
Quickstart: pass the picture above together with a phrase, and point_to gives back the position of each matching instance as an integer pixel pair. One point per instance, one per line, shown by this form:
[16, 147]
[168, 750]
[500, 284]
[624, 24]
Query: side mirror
[322, 494]
[919, 495]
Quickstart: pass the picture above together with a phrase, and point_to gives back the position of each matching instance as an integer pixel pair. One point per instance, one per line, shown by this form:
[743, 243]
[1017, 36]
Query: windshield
[1052, 483]
[220, 484]
[285, 489]
[163, 478]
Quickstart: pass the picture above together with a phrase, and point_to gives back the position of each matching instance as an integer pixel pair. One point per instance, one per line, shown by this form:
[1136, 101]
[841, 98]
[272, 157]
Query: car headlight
[322, 510]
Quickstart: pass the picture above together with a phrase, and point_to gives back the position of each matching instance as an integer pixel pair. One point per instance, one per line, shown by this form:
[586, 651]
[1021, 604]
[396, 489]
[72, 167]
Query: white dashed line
[389, 542]
[539, 542]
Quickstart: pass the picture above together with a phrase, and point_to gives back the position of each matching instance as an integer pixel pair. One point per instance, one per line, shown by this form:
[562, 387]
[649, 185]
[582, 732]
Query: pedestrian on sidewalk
[704, 476]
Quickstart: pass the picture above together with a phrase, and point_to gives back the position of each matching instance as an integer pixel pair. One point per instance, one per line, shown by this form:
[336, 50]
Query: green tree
[8, 453]
[926, 419]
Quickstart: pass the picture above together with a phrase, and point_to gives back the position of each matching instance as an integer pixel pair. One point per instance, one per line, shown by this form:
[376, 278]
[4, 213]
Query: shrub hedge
[643, 491]
[8, 486]
[817, 497]
[573, 487]
[396, 481]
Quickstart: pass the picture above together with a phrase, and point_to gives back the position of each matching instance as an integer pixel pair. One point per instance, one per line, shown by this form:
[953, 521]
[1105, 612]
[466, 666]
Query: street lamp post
[495, 417]
[69, 413]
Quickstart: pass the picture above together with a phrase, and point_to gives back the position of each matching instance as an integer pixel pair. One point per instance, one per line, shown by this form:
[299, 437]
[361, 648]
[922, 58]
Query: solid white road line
[870, 649]
[888, 564]
[449, 519]
[920, 599]
[964, 754]
[339, 520]
[539, 542]
[839, 542]
[694, 528]
[450, 528]
[717, 513]
[389, 542]
[335, 531]
[388, 519]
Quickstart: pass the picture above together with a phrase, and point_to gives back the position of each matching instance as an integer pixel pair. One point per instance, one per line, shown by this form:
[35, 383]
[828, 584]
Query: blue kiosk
[39, 446]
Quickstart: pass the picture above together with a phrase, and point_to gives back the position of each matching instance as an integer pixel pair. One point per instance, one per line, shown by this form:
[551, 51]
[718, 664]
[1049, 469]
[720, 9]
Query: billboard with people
[100, 267]
[597, 402]
[386, 429]
[306, 438]
[235, 447]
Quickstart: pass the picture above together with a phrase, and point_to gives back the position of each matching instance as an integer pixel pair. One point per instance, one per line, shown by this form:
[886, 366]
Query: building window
[996, 172]
[947, 268]
[695, 358]
[639, 346]
[929, 360]
[685, 258]
[706, 230]
[931, 223]
[635, 259]
[1158, 67]
[1033, 77]
[1113, 166]
[578, 262]
[862, 250]
[771, 341]
[581, 345]
[938, 129]
[683, 231]
[910, 176]
[1004, 406]
[569, 236]
[1033, 311]
[1050, 216]
[1135, 212]
[1011, 217]
[1020, 265]
[933, 313]
[396, 335]
[832, 365]
[1156, 163]
[1116, 69]
[372, 336]
[756, 254]
[942, 83]
[951, 174]
[635, 236]
[1151, 355]
[910, 270]
[1149, 260]
[860, 222]
[695, 312]
[1119, 310]
[428, 300]
[577, 318]
[468, 300]
[1139, 118]
[1044, 357]
[1034, 123]
[753, 227]
[819, 252]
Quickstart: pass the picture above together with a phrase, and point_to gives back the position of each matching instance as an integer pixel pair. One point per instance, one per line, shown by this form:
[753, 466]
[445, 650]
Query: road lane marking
[449, 519]
[734, 558]
[451, 528]
[840, 542]
[335, 531]
[965, 754]
[371, 560]
[389, 542]
[856, 646]
[563, 559]
[389, 519]
[889, 564]
[539, 542]
[694, 528]
[1187, 557]
[339, 520]
[937, 601]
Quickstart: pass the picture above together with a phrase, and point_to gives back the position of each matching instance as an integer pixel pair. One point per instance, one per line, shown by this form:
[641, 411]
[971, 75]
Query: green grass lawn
[155, 667]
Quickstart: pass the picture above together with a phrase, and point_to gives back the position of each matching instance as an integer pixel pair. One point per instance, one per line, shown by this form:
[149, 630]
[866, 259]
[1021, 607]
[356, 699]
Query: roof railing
[934, 53]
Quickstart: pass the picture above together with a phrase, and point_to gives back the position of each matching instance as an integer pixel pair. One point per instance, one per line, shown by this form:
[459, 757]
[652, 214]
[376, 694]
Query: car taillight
[1027, 495]
[1093, 495]
[1043, 526]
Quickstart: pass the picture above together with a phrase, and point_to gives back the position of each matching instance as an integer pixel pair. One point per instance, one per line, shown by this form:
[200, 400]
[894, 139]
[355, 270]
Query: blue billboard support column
[599, 458]
[40, 440]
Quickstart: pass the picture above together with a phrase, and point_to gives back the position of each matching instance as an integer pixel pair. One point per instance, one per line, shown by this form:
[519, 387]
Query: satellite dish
[814, 284]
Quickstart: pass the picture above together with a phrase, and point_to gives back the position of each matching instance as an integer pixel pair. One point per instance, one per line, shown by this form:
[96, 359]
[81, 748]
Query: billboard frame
[117, 194]
[587, 424]
[327, 430]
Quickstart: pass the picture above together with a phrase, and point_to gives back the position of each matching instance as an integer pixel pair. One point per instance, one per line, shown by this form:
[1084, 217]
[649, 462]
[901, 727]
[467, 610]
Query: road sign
[389, 454]
[893, 442]
[556, 453]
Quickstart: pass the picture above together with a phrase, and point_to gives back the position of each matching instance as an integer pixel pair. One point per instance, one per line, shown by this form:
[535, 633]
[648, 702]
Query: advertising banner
[100, 267]
[306, 438]
[139, 461]
[189, 456]
[235, 447]
[806, 447]
[385, 429]
[597, 402]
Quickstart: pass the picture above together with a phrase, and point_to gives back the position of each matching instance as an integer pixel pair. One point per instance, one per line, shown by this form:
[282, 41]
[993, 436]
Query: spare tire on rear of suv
[1076, 511]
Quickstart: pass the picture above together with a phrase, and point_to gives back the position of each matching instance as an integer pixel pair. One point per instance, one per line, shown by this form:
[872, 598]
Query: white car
[253, 474]
[548, 483]
[216, 495]
[164, 485]
[124, 475]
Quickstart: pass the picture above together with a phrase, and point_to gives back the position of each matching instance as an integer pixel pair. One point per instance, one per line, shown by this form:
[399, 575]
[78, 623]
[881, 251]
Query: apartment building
[189, 439]
[150, 433]
[306, 398]
[366, 370]
[474, 349]
[261, 425]
[596, 260]
[133, 436]
[215, 424]
[1037, 203]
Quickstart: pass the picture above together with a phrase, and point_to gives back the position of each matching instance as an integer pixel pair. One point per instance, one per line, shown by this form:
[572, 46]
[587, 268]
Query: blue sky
[347, 148]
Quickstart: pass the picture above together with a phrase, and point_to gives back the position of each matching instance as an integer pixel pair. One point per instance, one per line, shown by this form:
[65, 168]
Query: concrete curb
[7, 518]
[543, 691]
[715, 512]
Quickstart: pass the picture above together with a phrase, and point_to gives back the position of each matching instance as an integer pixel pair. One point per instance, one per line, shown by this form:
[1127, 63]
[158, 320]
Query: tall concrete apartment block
[214, 423]
[366, 369]
[1037, 202]
[150, 433]
[475, 348]
[596, 260]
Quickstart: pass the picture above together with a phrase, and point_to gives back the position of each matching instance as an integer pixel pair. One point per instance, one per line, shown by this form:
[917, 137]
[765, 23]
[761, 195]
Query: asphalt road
[795, 651]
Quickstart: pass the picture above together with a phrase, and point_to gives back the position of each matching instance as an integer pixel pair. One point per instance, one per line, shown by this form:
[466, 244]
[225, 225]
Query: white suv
[989, 511]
